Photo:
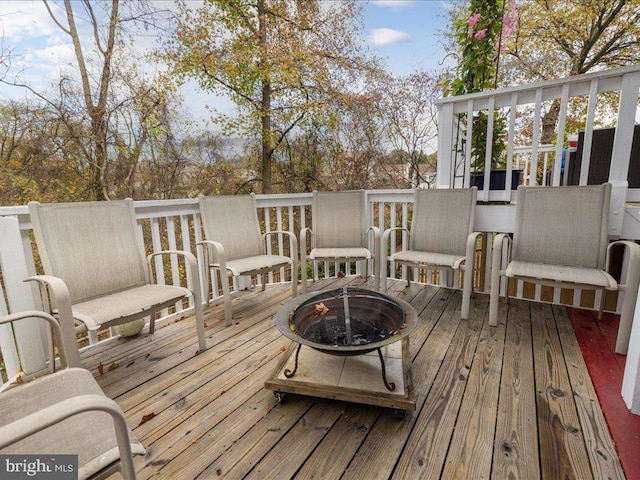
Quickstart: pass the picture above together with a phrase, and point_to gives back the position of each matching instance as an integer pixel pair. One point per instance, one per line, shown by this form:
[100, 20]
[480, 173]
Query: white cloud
[388, 36]
[22, 20]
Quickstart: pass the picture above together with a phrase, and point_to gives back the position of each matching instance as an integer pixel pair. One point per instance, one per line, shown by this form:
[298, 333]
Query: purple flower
[473, 19]
[481, 34]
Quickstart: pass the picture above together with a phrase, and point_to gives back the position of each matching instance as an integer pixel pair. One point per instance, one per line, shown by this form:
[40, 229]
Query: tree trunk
[267, 151]
[97, 112]
[265, 105]
[549, 122]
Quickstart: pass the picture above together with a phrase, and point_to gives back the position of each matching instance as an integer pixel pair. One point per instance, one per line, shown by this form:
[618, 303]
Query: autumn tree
[88, 95]
[409, 116]
[38, 156]
[280, 61]
[570, 37]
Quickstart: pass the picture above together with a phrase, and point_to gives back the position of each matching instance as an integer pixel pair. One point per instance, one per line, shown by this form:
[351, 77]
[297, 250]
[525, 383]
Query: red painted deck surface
[597, 340]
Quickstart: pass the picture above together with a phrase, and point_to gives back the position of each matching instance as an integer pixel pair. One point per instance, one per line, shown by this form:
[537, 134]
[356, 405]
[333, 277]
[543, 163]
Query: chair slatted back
[232, 220]
[95, 247]
[443, 219]
[562, 225]
[339, 219]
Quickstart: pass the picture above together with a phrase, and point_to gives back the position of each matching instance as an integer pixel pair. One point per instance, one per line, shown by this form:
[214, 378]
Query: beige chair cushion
[99, 310]
[243, 266]
[427, 258]
[562, 273]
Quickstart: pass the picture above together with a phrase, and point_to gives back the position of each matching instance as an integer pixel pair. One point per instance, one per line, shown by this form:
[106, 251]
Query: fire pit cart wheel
[280, 396]
[400, 414]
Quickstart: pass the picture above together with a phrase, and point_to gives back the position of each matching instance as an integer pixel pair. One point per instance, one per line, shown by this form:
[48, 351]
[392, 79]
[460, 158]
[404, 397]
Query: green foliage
[480, 32]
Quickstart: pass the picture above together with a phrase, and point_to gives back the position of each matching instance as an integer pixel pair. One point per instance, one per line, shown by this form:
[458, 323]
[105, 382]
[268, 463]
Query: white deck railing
[524, 108]
[176, 223]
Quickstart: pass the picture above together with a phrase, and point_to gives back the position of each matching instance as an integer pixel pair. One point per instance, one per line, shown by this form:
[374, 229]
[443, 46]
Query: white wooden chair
[339, 233]
[66, 413]
[441, 236]
[235, 246]
[560, 240]
[96, 274]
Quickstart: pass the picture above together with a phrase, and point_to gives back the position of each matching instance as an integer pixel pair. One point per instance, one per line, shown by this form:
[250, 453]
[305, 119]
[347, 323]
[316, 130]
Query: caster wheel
[280, 396]
[400, 414]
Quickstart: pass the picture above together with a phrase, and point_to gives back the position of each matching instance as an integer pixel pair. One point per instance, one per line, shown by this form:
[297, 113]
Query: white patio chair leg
[628, 306]
[603, 298]
[152, 322]
[467, 288]
[197, 306]
[294, 277]
[226, 294]
[93, 336]
[383, 276]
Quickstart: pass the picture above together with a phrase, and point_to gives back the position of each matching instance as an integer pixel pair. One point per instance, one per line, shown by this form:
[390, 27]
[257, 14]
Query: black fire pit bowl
[346, 321]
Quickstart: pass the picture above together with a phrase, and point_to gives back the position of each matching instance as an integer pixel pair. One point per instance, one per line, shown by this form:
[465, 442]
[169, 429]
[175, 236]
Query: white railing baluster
[621, 154]
[186, 246]
[173, 259]
[280, 245]
[533, 166]
[588, 133]
[467, 138]
[510, 145]
[405, 244]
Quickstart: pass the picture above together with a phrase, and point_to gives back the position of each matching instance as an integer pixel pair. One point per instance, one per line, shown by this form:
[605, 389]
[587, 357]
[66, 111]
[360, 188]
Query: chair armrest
[470, 256]
[59, 292]
[496, 255]
[630, 290]
[303, 239]
[44, 316]
[632, 254]
[37, 421]
[191, 264]
[189, 257]
[219, 253]
[387, 234]
[376, 237]
[293, 241]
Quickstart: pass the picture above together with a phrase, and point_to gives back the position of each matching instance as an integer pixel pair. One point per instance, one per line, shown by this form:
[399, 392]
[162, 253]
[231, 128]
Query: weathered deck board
[514, 401]
[516, 453]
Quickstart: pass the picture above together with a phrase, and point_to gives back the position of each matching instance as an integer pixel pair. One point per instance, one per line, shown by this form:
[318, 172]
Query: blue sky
[405, 33]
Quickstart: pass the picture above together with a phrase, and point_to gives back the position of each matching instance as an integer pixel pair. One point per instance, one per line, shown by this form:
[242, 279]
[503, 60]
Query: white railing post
[444, 169]
[621, 154]
[30, 334]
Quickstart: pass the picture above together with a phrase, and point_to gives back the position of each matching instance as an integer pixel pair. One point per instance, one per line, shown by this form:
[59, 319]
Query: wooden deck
[514, 401]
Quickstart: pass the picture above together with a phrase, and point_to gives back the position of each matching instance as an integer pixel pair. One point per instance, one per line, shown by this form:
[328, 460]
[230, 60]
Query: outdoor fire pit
[344, 322]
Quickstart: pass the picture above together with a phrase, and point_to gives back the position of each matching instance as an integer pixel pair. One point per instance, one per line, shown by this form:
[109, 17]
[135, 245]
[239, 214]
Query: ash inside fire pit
[347, 321]
[333, 331]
